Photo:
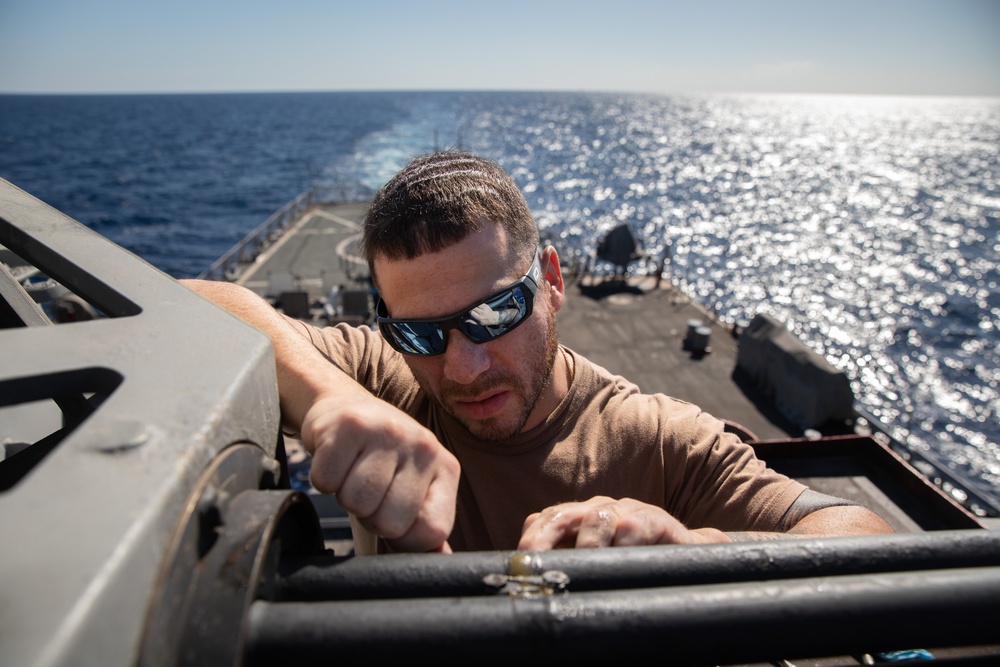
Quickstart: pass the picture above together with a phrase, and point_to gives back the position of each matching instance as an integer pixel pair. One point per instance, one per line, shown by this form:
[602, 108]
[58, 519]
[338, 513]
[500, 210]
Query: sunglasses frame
[529, 287]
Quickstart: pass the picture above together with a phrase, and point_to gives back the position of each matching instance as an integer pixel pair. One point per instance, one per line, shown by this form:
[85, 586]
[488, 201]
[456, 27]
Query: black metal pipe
[437, 575]
[715, 624]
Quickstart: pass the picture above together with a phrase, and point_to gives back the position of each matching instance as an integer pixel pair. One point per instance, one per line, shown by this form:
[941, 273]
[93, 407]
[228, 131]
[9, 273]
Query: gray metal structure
[153, 393]
[146, 519]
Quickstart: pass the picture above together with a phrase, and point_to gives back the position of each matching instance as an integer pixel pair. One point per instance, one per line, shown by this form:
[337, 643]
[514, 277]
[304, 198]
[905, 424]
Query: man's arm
[817, 514]
[386, 469]
[603, 522]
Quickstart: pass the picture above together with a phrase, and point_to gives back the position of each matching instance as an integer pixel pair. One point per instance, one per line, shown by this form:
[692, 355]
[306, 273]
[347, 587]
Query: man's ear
[552, 273]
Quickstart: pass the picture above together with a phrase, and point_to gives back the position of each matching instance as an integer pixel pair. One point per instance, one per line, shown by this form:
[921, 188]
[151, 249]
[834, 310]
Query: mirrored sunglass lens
[419, 337]
[495, 317]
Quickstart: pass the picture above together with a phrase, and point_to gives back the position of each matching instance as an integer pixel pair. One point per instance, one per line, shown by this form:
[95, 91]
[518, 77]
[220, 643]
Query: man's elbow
[842, 520]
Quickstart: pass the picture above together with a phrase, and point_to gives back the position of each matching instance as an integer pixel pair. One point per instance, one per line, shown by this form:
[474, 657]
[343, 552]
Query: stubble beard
[525, 391]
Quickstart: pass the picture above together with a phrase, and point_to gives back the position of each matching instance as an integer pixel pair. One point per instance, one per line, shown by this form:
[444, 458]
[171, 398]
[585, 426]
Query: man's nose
[464, 360]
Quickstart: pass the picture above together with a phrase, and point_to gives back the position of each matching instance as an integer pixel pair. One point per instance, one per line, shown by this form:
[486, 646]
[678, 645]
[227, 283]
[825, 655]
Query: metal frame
[86, 527]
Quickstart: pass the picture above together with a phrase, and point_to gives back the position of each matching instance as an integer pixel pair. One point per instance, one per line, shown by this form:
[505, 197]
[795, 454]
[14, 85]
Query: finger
[635, 529]
[330, 466]
[647, 524]
[444, 548]
[335, 440]
[598, 528]
[435, 517]
[530, 521]
[367, 489]
[557, 526]
[382, 478]
[551, 527]
[361, 463]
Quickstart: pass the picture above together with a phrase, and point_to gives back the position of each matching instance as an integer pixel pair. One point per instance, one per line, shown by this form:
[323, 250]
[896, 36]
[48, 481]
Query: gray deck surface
[637, 331]
[311, 252]
[631, 328]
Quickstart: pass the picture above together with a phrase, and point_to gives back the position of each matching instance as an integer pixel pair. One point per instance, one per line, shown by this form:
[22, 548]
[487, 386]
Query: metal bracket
[523, 581]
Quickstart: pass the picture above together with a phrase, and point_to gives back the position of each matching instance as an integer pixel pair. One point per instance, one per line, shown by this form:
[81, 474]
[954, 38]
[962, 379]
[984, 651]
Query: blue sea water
[870, 225]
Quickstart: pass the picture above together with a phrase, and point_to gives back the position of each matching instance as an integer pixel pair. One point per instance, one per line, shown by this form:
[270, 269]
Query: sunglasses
[498, 314]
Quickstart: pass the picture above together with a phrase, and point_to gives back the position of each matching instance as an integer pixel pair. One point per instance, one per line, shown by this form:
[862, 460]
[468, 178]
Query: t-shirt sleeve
[362, 354]
[715, 480]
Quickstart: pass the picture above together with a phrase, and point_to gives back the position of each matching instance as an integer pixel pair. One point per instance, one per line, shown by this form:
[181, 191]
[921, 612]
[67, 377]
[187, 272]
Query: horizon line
[293, 91]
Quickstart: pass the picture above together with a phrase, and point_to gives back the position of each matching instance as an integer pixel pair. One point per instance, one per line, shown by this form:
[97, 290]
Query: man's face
[496, 389]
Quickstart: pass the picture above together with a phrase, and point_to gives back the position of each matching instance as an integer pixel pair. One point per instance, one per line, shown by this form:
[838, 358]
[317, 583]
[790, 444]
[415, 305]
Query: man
[462, 423]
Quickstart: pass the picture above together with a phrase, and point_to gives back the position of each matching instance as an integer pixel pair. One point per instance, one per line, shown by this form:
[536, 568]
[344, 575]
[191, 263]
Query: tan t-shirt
[605, 438]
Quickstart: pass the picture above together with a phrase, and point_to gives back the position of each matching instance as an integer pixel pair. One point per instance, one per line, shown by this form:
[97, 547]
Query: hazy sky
[915, 47]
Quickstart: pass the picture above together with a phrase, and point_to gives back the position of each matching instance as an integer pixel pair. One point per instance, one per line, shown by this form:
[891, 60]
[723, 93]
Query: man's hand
[606, 522]
[386, 469]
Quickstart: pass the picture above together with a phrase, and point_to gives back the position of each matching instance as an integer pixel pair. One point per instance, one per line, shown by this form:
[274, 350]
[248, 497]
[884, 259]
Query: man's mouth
[483, 407]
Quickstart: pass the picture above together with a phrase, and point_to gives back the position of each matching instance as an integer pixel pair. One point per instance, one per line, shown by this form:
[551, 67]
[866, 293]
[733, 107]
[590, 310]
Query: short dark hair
[439, 199]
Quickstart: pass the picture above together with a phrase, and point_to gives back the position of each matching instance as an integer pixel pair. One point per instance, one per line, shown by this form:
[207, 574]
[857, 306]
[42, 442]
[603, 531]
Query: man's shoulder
[595, 380]
[613, 404]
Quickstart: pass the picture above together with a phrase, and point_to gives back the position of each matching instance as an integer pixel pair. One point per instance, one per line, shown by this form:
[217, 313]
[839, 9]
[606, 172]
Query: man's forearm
[841, 520]
[303, 372]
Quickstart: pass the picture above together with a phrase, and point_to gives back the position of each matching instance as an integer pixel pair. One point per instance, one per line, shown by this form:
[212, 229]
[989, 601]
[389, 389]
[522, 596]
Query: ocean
[869, 225]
